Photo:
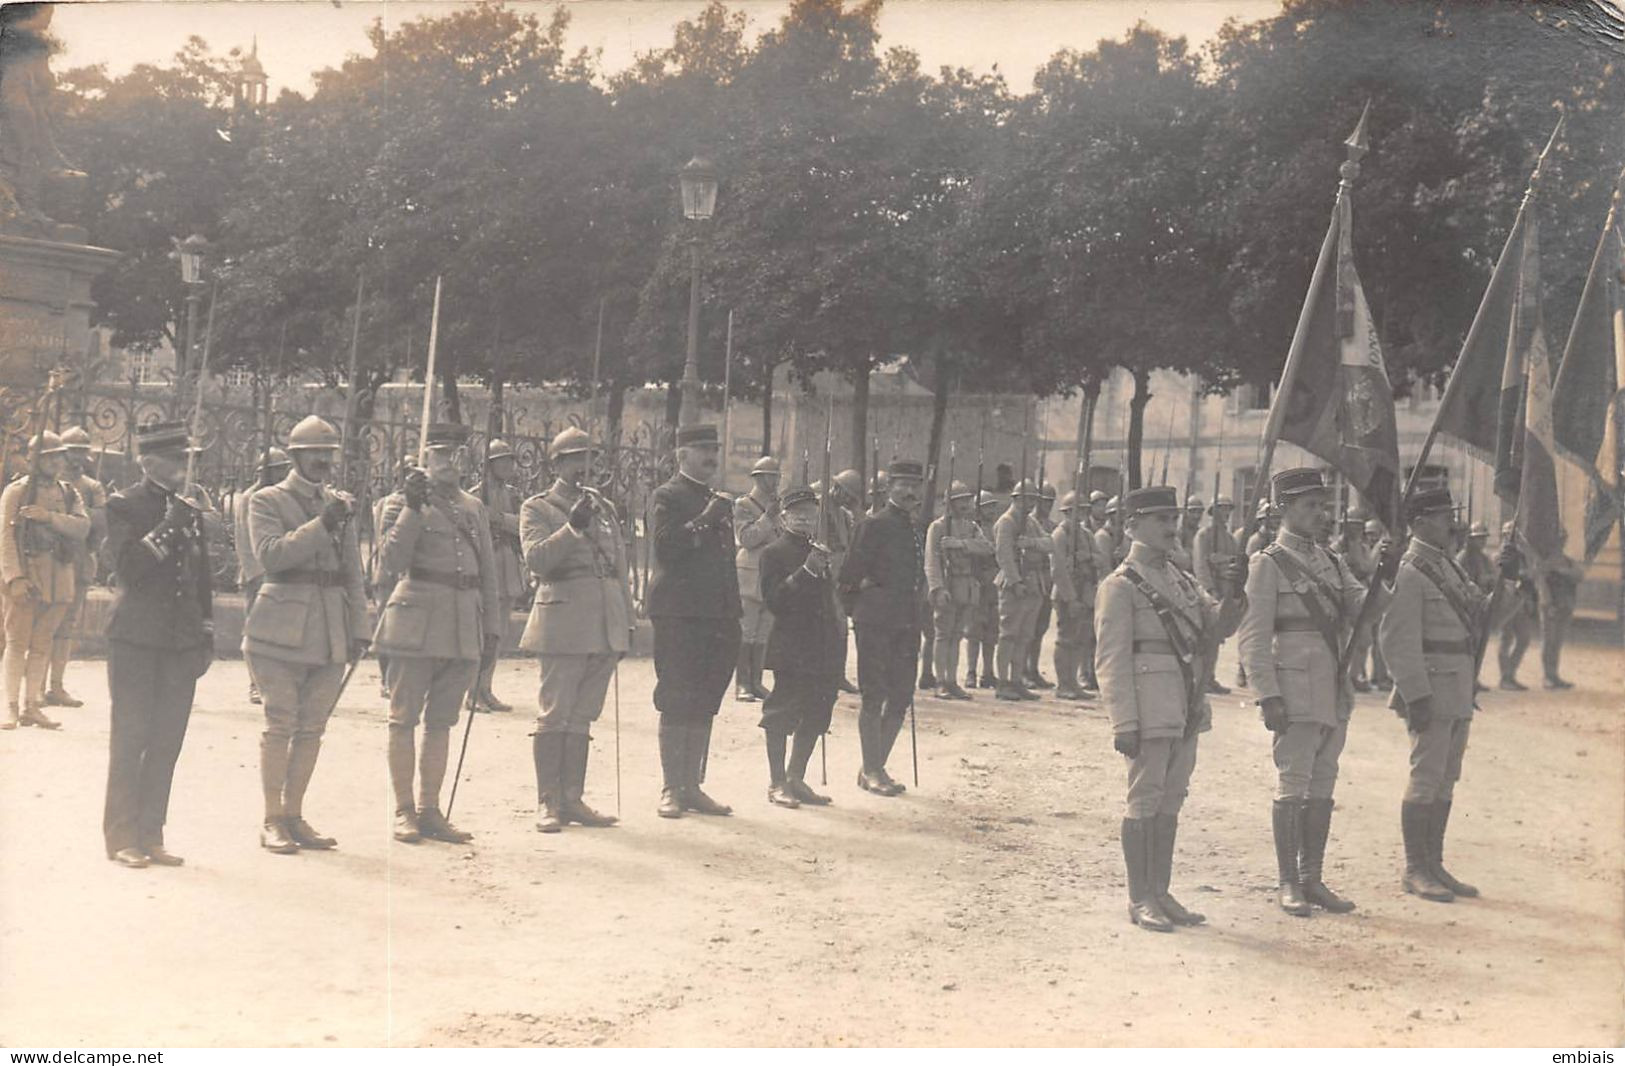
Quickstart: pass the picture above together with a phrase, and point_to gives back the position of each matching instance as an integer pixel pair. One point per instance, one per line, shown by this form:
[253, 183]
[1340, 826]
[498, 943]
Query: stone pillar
[45, 306]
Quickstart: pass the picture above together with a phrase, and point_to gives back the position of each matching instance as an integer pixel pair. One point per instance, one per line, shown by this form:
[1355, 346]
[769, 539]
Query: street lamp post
[190, 252]
[699, 185]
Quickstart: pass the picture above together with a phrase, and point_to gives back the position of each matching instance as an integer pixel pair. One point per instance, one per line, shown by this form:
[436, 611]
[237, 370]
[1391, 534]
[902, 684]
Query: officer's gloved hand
[1274, 710]
[176, 515]
[1509, 561]
[715, 513]
[335, 513]
[581, 513]
[416, 489]
[817, 563]
[1389, 552]
[1127, 743]
[1418, 713]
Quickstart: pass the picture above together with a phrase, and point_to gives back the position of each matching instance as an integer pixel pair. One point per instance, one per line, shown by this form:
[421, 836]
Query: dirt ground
[986, 906]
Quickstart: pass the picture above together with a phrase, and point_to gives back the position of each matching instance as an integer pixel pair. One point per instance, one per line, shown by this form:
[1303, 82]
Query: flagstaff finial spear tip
[1357, 141]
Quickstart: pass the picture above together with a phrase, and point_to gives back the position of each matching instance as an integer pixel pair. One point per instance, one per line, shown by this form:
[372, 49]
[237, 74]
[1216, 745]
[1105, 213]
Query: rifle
[874, 477]
[428, 386]
[349, 389]
[31, 540]
[822, 530]
[1167, 450]
[197, 402]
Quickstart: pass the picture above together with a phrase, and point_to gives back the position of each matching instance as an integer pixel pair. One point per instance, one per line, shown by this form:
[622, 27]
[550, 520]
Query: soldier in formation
[77, 475]
[756, 523]
[272, 467]
[840, 517]
[1022, 551]
[1077, 570]
[441, 619]
[983, 631]
[1432, 636]
[160, 640]
[306, 625]
[1214, 546]
[954, 544]
[1523, 614]
[43, 528]
[1559, 584]
[803, 650]
[883, 582]
[580, 626]
[496, 491]
[1044, 507]
[694, 606]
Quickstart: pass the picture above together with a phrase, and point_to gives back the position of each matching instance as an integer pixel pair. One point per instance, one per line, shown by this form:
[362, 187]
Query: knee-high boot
[1438, 819]
[744, 690]
[547, 752]
[1420, 879]
[673, 767]
[577, 749]
[1144, 909]
[273, 781]
[1317, 828]
[1164, 829]
[1288, 825]
[302, 755]
[694, 798]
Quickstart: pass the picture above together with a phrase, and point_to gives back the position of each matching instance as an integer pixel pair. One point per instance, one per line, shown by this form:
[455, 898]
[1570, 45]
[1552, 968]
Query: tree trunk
[946, 377]
[860, 421]
[1086, 441]
[1136, 423]
[767, 418]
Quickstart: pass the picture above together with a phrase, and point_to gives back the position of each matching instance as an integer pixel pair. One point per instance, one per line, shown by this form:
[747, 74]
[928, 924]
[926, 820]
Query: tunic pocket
[404, 625]
[279, 617]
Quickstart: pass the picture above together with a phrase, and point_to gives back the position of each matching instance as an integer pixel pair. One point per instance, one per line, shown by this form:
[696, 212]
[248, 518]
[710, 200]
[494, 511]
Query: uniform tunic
[93, 499]
[1022, 551]
[693, 602]
[502, 512]
[806, 646]
[883, 582]
[48, 558]
[952, 546]
[1141, 680]
[580, 622]
[754, 529]
[1078, 565]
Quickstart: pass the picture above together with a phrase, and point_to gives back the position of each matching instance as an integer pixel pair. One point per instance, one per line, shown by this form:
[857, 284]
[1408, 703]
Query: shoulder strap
[1167, 615]
[1466, 611]
[1317, 598]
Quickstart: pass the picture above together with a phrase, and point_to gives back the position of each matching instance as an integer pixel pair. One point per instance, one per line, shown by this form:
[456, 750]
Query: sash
[1466, 612]
[1330, 625]
[1167, 615]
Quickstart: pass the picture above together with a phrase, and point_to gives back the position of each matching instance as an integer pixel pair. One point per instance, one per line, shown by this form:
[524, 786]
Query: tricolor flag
[1586, 404]
[1530, 470]
[1335, 401]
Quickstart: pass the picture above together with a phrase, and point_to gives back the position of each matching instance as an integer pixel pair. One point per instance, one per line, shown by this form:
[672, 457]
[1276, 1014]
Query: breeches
[887, 656]
[1436, 754]
[1074, 625]
[694, 659]
[1306, 755]
[1160, 776]
[1018, 614]
[67, 631]
[572, 691]
[953, 621]
[428, 689]
[801, 701]
[298, 697]
[31, 625]
[756, 622]
[1554, 630]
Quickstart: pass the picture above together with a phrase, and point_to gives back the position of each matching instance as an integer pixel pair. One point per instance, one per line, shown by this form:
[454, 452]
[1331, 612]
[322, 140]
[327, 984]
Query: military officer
[984, 626]
[43, 527]
[580, 626]
[803, 650]
[1022, 551]
[1077, 575]
[383, 584]
[757, 524]
[308, 622]
[1472, 559]
[1431, 637]
[160, 640]
[93, 498]
[272, 468]
[693, 605]
[1031, 675]
[883, 582]
[1214, 546]
[953, 543]
[840, 520]
[441, 619]
[495, 490]
[1153, 621]
[1301, 604]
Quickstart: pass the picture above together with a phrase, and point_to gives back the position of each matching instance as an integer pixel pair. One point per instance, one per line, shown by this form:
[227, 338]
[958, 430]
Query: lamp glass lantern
[699, 184]
[191, 252]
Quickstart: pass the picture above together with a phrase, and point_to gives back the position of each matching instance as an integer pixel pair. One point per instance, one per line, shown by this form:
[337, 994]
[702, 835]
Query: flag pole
[428, 378]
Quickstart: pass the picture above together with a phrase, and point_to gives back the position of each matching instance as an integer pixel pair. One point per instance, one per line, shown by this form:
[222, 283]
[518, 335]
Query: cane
[913, 740]
[823, 758]
[617, 739]
[468, 728]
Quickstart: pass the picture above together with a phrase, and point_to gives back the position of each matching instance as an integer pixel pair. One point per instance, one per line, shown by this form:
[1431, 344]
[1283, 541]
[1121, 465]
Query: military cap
[498, 449]
[1098, 497]
[48, 443]
[1427, 502]
[1047, 491]
[446, 435]
[1221, 501]
[162, 438]
[313, 432]
[1024, 488]
[1296, 482]
[1154, 499]
[1373, 526]
[1068, 501]
[959, 490]
[1194, 503]
[796, 497]
[571, 440]
[849, 482]
[698, 435]
[273, 458]
[765, 465]
[1478, 529]
[76, 438]
[1111, 505]
[905, 468]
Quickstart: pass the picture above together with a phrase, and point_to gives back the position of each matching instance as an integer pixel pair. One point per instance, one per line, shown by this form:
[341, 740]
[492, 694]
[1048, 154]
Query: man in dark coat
[803, 648]
[883, 581]
[160, 640]
[693, 603]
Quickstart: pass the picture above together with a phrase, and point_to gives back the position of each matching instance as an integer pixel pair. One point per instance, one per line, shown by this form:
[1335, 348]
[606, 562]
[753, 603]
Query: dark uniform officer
[160, 640]
[1154, 620]
[1431, 637]
[803, 648]
[693, 603]
[883, 583]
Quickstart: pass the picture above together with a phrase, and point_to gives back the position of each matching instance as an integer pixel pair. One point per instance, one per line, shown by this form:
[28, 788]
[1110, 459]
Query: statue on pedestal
[29, 156]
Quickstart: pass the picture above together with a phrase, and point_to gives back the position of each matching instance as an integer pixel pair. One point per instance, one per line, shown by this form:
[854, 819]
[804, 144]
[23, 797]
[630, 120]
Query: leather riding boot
[302, 755]
[1143, 908]
[402, 765]
[744, 689]
[432, 762]
[1164, 829]
[1317, 828]
[694, 798]
[1419, 880]
[547, 752]
[1288, 824]
[1438, 820]
[673, 761]
[577, 750]
[274, 756]
[802, 746]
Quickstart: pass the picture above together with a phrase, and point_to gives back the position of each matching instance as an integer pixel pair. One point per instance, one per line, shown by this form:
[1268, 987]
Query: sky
[297, 38]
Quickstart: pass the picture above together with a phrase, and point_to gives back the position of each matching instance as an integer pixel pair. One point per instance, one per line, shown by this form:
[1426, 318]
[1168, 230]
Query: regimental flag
[1530, 449]
[1335, 401]
[1586, 405]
